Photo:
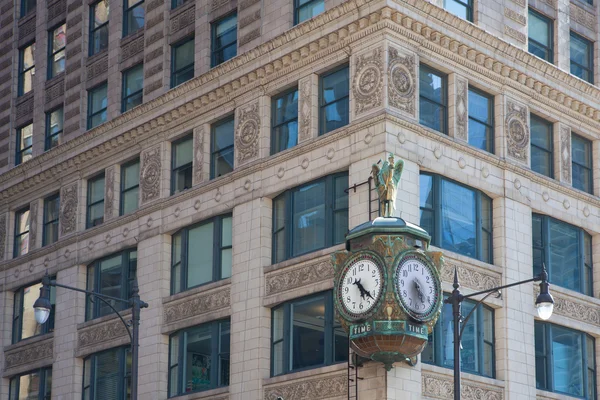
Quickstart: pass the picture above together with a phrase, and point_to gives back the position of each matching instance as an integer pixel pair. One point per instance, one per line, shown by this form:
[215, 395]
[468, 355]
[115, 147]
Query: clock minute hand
[419, 291]
[361, 288]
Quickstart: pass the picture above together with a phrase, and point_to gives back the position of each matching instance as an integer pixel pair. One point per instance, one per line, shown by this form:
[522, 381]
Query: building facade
[218, 151]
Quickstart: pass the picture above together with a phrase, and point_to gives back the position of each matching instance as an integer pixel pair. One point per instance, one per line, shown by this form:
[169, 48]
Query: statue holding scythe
[386, 182]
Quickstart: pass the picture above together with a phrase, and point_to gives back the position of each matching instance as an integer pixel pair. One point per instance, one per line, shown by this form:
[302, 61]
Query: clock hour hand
[363, 291]
[419, 291]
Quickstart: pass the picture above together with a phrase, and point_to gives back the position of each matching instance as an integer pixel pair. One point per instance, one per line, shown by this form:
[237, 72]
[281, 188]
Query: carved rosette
[442, 387]
[68, 209]
[517, 131]
[33, 215]
[100, 333]
[565, 154]
[2, 236]
[198, 155]
[298, 277]
[470, 277]
[109, 192]
[319, 388]
[29, 354]
[402, 81]
[150, 174]
[462, 109]
[197, 305]
[247, 133]
[305, 109]
[367, 83]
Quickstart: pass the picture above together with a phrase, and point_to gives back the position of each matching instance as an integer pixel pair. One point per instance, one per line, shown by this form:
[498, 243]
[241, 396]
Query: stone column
[308, 107]
[516, 137]
[562, 153]
[458, 107]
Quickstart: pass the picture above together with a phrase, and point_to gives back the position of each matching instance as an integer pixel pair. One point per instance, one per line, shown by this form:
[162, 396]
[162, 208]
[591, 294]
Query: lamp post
[42, 309]
[544, 305]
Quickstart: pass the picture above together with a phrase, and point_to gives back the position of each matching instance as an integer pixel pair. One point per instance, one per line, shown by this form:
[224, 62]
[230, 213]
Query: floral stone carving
[462, 109]
[570, 307]
[197, 305]
[305, 109]
[68, 209]
[439, 387]
[247, 133]
[198, 155]
[33, 215]
[297, 277]
[368, 81]
[109, 195]
[150, 174]
[29, 354]
[325, 387]
[517, 131]
[2, 236]
[100, 333]
[565, 154]
[402, 81]
[470, 278]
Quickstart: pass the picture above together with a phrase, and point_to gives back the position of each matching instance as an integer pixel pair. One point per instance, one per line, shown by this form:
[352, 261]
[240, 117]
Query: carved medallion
[402, 81]
[68, 209]
[517, 131]
[368, 81]
[150, 174]
[247, 133]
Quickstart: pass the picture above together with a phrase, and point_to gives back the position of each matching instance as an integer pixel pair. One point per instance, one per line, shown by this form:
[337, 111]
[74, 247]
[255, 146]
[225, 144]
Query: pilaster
[201, 161]
[36, 212]
[516, 131]
[458, 107]
[308, 108]
[249, 128]
[562, 153]
[562, 28]
[111, 192]
[69, 208]
[154, 178]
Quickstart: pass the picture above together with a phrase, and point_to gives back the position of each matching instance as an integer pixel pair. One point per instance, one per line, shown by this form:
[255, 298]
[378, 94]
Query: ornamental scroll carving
[517, 131]
[565, 154]
[2, 236]
[68, 209]
[572, 308]
[109, 195]
[305, 109]
[402, 81]
[462, 109]
[368, 81]
[247, 133]
[325, 387]
[33, 215]
[150, 174]
[29, 354]
[297, 277]
[100, 333]
[198, 155]
[197, 305]
[439, 387]
[470, 277]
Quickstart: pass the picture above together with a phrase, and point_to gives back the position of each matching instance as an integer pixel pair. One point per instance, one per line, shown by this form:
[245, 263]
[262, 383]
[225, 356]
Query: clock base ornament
[387, 290]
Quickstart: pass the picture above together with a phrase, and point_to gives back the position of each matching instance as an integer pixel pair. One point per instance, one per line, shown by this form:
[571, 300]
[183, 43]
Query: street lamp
[42, 307]
[544, 305]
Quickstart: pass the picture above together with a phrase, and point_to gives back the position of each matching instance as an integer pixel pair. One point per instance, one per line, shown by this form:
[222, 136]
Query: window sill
[130, 37]
[29, 341]
[27, 17]
[124, 313]
[196, 290]
[93, 58]
[203, 395]
[544, 394]
[181, 8]
[304, 257]
[343, 366]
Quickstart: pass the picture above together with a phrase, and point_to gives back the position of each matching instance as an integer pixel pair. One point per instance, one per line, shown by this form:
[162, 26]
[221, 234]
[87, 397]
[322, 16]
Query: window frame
[23, 70]
[94, 178]
[215, 153]
[123, 190]
[323, 105]
[188, 165]
[52, 52]
[174, 72]
[590, 49]
[48, 138]
[550, 152]
[124, 96]
[468, 5]
[274, 126]
[90, 113]
[213, 38]
[17, 330]
[590, 168]
[18, 234]
[444, 78]
[298, 7]
[491, 125]
[550, 31]
[126, 10]
[218, 248]
[46, 223]
[93, 30]
[123, 373]
[43, 374]
[24, 8]
[19, 151]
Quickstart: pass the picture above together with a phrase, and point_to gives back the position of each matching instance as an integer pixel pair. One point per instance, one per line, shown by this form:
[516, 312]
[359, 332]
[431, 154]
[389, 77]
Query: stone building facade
[393, 52]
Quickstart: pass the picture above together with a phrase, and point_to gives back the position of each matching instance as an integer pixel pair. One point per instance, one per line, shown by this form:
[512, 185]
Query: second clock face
[417, 287]
[361, 287]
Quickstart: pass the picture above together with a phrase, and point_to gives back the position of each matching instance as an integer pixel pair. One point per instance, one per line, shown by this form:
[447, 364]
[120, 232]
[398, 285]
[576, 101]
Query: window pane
[564, 255]
[340, 342]
[135, 18]
[432, 85]
[100, 13]
[310, 10]
[98, 98]
[173, 364]
[183, 152]
[28, 57]
[200, 255]
[131, 175]
[111, 281]
[480, 136]
[56, 121]
[278, 356]
[539, 29]
[480, 107]
[336, 115]
[26, 135]
[581, 151]
[29, 386]
[224, 344]
[458, 8]
[580, 50]
[334, 92]
[96, 191]
[107, 375]
[184, 55]
[432, 115]
[308, 333]
[198, 350]
[567, 368]
[540, 356]
[182, 179]
[458, 219]
[425, 191]
[488, 337]
[134, 79]
[30, 326]
[130, 200]
[309, 218]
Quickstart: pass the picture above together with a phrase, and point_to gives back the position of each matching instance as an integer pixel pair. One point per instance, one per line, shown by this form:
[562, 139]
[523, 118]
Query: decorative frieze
[402, 80]
[99, 333]
[29, 354]
[3, 233]
[442, 387]
[27, 28]
[247, 133]
[310, 389]
[565, 153]
[305, 106]
[515, 34]
[183, 19]
[572, 307]
[97, 68]
[56, 9]
[516, 128]
[109, 192]
[150, 173]
[198, 156]
[582, 17]
[515, 16]
[248, 19]
[198, 304]
[461, 108]
[55, 91]
[250, 36]
[215, 4]
[476, 279]
[25, 108]
[68, 209]
[367, 83]
[295, 277]
[132, 48]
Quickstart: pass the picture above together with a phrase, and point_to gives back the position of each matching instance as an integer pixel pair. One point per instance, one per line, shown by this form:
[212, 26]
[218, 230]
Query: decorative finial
[386, 182]
[455, 284]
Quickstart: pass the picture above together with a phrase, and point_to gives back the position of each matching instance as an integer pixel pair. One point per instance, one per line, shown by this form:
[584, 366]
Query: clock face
[417, 287]
[360, 287]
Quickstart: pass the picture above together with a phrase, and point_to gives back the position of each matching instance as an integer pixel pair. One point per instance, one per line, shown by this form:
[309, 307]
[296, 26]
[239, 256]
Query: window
[221, 149]
[27, 6]
[177, 3]
[582, 58]
[130, 187]
[181, 164]
[307, 9]
[107, 375]
[477, 344]
[133, 20]
[133, 87]
[97, 105]
[24, 324]
[432, 99]
[310, 217]
[199, 358]
[182, 62]
[334, 100]
[224, 39]
[457, 217]
[35, 385]
[51, 212]
[111, 276]
[26, 69]
[21, 245]
[24, 144]
[481, 120]
[201, 254]
[284, 132]
[99, 13]
[581, 150]
[95, 201]
[460, 8]
[305, 334]
[57, 40]
[541, 34]
[541, 146]
[54, 128]
[566, 250]
[565, 361]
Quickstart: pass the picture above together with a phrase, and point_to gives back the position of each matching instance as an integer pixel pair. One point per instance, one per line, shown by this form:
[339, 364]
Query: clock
[417, 286]
[360, 286]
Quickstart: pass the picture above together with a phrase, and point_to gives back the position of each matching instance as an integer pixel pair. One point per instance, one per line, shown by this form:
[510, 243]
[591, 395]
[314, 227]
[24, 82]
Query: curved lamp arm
[127, 326]
[464, 321]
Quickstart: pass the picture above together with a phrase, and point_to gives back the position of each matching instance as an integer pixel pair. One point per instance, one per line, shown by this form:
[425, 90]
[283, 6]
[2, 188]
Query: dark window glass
[24, 324]
[35, 385]
[107, 375]
[460, 8]
[51, 211]
[26, 69]
[22, 222]
[181, 164]
[221, 153]
[57, 41]
[199, 358]
[541, 146]
[27, 6]
[224, 39]
[334, 100]
[201, 254]
[305, 334]
[182, 62]
[581, 153]
[477, 351]
[310, 217]
[24, 144]
[284, 131]
[99, 13]
[481, 120]
[111, 276]
[433, 99]
[457, 217]
[566, 251]
[130, 184]
[307, 9]
[565, 361]
[177, 3]
[133, 87]
[54, 128]
[95, 201]
[133, 20]
[582, 58]
[97, 105]
[541, 35]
